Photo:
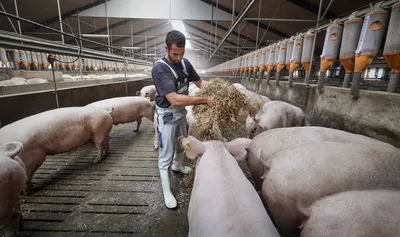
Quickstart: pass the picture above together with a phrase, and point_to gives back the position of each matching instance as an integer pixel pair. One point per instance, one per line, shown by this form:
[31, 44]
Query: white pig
[57, 131]
[37, 81]
[148, 91]
[193, 89]
[13, 81]
[369, 213]
[278, 114]
[239, 86]
[127, 109]
[12, 181]
[223, 202]
[265, 144]
[296, 177]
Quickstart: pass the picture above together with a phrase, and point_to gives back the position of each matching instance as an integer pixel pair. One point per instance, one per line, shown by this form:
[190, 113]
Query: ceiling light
[131, 47]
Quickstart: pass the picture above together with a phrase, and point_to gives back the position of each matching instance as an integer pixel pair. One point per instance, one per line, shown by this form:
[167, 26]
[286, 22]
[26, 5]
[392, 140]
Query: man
[171, 76]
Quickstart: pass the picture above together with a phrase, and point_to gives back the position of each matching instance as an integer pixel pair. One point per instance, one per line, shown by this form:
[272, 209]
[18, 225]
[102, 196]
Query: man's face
[175, 54]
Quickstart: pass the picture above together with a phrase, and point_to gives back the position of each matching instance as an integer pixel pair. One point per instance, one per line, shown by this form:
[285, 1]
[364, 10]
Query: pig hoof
[156, 148]
[136, 130]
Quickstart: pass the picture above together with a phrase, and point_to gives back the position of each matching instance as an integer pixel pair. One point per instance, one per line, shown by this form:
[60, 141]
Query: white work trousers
[171, 124]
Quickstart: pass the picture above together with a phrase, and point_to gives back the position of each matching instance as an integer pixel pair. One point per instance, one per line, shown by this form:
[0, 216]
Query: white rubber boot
[177, 164]
[169, 198]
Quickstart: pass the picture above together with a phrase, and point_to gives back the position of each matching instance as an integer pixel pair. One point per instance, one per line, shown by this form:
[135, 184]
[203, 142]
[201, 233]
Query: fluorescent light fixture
[125, 47]
[178, 25]
[149, 54]
[95, 36]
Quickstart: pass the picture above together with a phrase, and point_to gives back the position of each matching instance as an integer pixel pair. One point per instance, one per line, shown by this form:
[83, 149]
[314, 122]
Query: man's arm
[200, 83]
[184, 100]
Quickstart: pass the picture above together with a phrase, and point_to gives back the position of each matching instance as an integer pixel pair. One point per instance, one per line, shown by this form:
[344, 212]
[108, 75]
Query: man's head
[175, 46]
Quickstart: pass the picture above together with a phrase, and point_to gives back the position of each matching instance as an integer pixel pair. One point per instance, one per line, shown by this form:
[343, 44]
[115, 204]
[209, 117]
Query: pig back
[305, 173]
[355, 213]
[223, 202]
[57, 130]
[126, 109]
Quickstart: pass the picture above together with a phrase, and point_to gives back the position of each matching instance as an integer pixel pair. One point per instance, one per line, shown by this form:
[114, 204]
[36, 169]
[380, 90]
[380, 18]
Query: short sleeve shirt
[165, 81]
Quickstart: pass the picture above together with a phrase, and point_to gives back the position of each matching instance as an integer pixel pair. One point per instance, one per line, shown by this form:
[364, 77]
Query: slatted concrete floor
[119, 197]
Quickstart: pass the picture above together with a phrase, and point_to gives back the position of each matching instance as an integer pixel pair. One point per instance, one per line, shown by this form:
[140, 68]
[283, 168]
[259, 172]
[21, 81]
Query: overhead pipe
[368, 44]
[238, 19]
[281, 61]
[391, 50]
[58, 31]
[330, 51]
[351, 34]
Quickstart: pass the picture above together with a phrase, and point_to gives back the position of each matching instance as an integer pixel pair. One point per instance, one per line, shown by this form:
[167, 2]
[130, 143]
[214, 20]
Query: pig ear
[193, 147]
[138, 93]
[13, 148]
[238, 148]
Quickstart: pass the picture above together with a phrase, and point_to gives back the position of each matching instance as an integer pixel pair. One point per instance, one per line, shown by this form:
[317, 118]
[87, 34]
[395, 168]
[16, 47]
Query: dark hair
[175, 37]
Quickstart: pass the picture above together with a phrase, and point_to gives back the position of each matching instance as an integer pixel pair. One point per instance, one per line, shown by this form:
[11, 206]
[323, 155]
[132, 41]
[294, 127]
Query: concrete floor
[119, 197]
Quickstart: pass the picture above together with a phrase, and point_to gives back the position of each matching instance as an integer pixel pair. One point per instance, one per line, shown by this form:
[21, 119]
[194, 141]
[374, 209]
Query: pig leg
[12, 229]
[107, 147]
[139, 121]
[36, 159]
[101, 142]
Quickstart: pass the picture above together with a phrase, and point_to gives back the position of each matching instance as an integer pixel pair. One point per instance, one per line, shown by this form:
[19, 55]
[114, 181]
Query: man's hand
[210, 101]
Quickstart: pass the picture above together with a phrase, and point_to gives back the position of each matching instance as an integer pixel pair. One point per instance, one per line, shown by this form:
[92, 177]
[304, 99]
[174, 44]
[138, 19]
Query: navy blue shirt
[165, 81]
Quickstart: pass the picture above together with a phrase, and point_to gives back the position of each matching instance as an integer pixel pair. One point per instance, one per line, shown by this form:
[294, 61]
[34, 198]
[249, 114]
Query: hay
[226, 120]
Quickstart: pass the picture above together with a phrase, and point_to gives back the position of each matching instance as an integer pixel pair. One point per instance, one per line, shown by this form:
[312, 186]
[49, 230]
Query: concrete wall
[374, 114]
[15, 107]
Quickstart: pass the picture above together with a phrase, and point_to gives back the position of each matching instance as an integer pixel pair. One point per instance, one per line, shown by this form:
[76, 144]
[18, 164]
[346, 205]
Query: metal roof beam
[263, 26]
[141, 32]
[312, 7]
[66, 15]
[206, 32]
[233, 32]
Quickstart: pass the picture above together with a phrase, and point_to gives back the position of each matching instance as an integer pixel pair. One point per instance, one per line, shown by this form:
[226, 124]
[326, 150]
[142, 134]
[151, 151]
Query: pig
[278, 114]
[254, 97]
[193, 89]
[37, 81]
[127, 109]
[191, 120]
[299, 175]
[354, 213]
[147, 91]
[239, 86]
[223, 201]
[272, 141]
[12, 181]
[13, 81]
[57, 131]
